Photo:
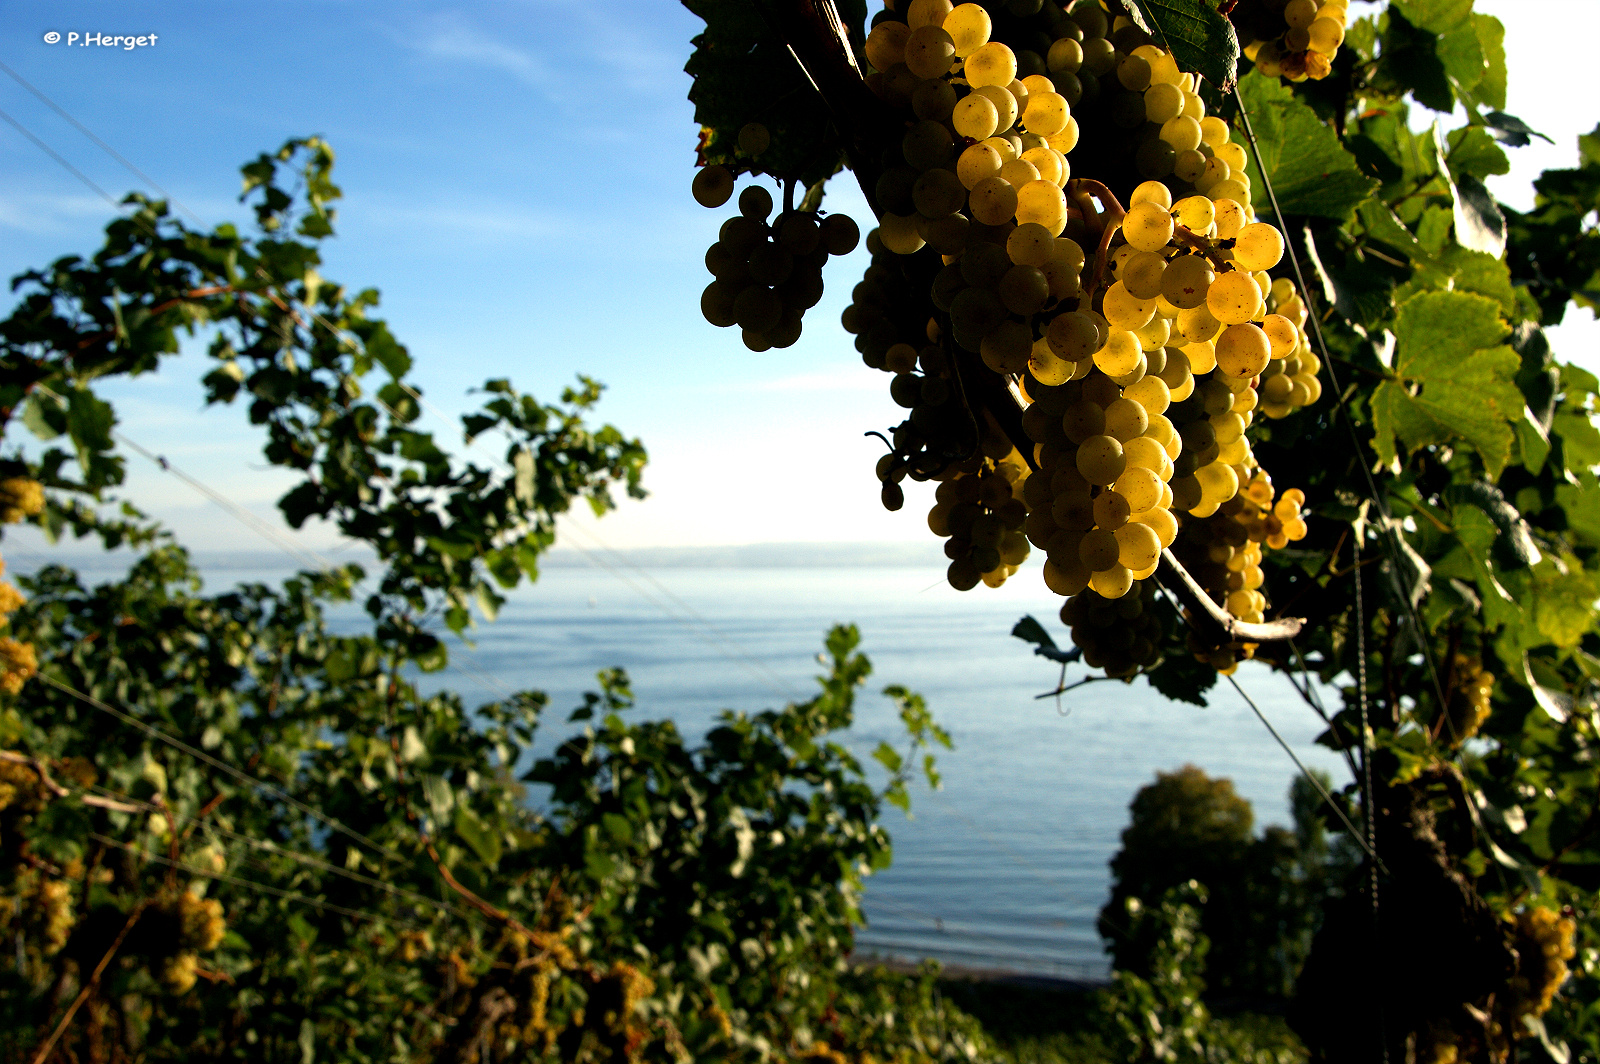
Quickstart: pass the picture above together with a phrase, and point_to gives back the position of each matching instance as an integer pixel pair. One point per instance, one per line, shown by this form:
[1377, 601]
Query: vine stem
[1108, 219]
[89, 987]
[1189, 238]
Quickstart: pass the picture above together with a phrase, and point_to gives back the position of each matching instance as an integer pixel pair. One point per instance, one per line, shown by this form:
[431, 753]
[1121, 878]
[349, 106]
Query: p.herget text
[101, 40]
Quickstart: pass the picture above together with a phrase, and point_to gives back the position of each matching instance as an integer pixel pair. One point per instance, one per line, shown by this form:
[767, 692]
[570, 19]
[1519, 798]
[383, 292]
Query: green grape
[1162, 103]
[1046, 113]
[753, 139]
[1141, 273]
[933, 100]
[926, 144]
[1024, 290]
[1100, 460]
[886, 44]
[929, 52]
[755, 203]
[1111, 510]
[712, 186]
[717, 305]
[1082, 420]
[938, 193]
[1195, 213]
[1065, 56]
[899, 234]
[1151, 192]
[1098, 550]
[1121, 354]
[1155, 159]
[1126, 420]
[1151, 393]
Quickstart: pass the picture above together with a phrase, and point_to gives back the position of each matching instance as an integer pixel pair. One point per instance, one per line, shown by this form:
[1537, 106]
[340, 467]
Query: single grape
[969, 27]
[927, 13]
[1126, 420]
[1100, 460]
[1183, 133]
[1258, 246]
[1233, 298]
[991, 64]
[755, 203]
[753, 139]
[929, 52]
[1113, 582]
[1098, 550]
[976, 117]
[1043, 203]
[712, 186]
[1147, 227]
[1124, 310]
[886, 44]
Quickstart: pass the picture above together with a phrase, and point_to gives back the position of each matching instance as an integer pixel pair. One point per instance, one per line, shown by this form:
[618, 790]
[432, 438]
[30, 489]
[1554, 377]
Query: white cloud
[466, 44]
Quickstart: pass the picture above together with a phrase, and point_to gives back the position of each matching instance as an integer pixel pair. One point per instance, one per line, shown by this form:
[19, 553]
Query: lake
[1006, 866]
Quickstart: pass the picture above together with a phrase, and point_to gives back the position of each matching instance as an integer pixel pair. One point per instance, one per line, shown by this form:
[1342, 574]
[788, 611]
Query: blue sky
[516, 183]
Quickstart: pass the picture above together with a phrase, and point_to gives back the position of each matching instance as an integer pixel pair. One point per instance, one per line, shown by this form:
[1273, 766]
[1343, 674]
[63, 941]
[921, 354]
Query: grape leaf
[1308, 168]
[1454, 380]
[1200, 38]
[1491, 87]
[1462, 270]
[1182, 679]
[744, 72]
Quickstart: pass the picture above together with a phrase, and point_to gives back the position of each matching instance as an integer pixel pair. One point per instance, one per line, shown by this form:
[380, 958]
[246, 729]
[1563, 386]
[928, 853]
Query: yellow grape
[1147, 227]
[1234, 188]
[1151, 192]
[1281, 334]
[1188, 165]
[1258, 247]
[994, 202]
[1197, 325]
[1112, 583]
[969, 27]
[1195, 213]
[1140, 487]
[990, 64]
[1184, 284]
[927, 13]
[1163, 68]
[1067, 139]
[1019, 172]
[1233, 298]
[1046, 113]
[1231, 217]
[899, 234]
[1234, 155]
[1243, 351]
[1111, 510]
[1046, 162]
[1124, 310]
[976, 117]
[1120, 355]
[1162, 103]
[1202, 357]
[1066, 580]
[1100, 460]
[1126, 420]
[712, 186]
[1030, 245]
[1161, 521]
[1139, 546]
[1325, 34]
[1005, 106]
[1151, 393]
[1042, 202]
[886, 44]
[1213, 132]
[1154, 334]
[1141, 273]
[1183, 133]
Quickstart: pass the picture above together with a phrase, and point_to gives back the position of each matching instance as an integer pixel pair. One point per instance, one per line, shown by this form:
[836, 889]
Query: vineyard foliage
[228, 831]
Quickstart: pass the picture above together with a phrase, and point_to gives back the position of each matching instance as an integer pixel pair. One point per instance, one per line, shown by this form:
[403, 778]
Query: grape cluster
[1471, 688]
[979, 505]
[938, 429]
[1290, 381]
[1297, 39]
[767, 274]
[1121, 635]
[1545, 943]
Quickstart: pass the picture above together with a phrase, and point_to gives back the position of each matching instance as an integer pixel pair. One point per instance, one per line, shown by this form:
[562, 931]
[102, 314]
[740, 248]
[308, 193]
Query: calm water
[1006, 867]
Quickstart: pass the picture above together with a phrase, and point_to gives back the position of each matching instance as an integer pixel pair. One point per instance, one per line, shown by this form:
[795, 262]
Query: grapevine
[1070, 292]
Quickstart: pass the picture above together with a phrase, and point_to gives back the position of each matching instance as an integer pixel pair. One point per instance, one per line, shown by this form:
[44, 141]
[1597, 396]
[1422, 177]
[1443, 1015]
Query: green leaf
[478, 835]
[44, 417]
[1309, 169]
[1199, 36]
[888, 757]
[1478, 221]
[1564, 606]
[1461, 269]
[1455, 380]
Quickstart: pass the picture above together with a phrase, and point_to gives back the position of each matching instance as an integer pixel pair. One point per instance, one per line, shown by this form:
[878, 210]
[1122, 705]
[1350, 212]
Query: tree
[1048, 310]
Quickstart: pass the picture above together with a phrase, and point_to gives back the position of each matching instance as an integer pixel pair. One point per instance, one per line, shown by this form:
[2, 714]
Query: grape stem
[1214, 623]
[1189, 238]
[1106, 220]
